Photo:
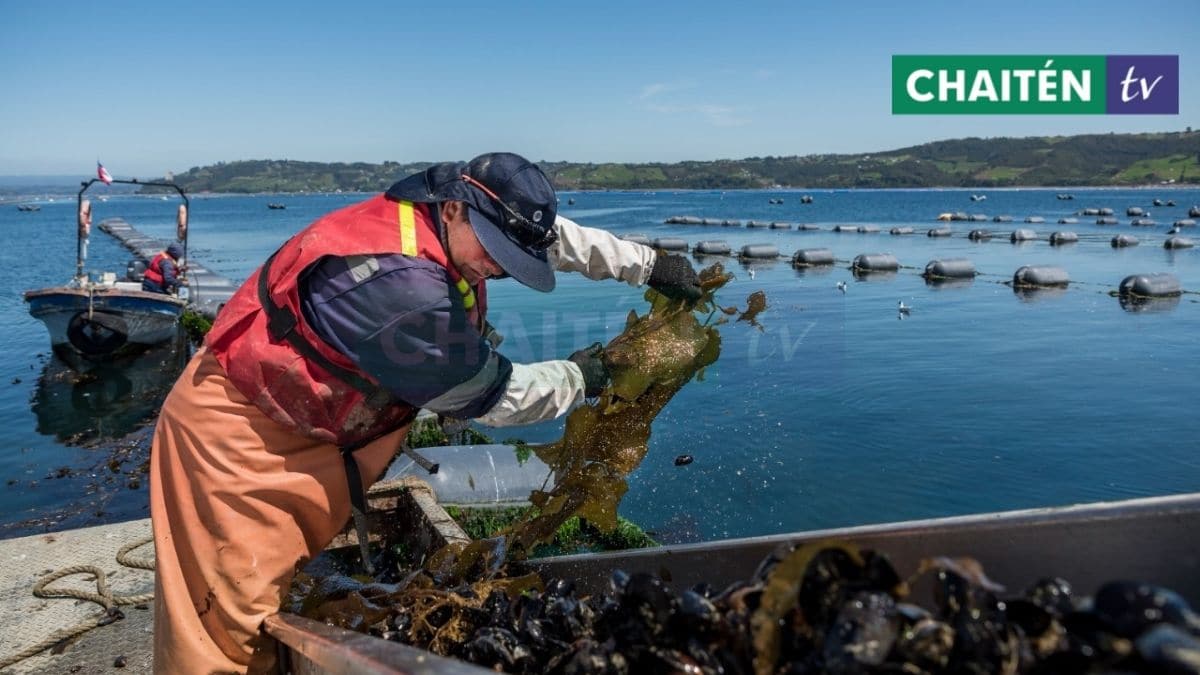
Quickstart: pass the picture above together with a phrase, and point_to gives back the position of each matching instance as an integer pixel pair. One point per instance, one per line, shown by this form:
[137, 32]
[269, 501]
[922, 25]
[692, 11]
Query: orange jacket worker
[327, 351]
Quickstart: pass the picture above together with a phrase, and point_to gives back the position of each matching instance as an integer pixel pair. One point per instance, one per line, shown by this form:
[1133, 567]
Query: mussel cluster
[827, 609]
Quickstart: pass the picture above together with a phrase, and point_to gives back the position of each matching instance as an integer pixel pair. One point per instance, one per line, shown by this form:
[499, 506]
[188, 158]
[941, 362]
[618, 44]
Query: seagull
[1174, 230]
[841, 286]
[751, 271]
[904, 309]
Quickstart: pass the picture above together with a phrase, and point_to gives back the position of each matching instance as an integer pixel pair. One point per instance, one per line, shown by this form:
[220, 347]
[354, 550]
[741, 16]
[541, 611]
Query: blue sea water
[837, 413]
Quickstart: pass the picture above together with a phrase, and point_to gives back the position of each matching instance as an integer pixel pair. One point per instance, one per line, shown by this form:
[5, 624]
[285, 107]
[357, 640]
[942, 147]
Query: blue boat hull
[104, 323]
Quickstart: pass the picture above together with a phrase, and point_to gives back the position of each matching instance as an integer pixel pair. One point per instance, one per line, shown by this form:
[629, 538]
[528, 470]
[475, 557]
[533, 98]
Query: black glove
[673, 276]
[595, 374]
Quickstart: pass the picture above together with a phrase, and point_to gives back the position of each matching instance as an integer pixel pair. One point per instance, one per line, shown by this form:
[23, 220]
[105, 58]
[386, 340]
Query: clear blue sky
[154, 86]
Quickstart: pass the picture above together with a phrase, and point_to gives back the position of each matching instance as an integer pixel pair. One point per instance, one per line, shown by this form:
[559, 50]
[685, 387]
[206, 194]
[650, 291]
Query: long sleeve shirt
[401, 320]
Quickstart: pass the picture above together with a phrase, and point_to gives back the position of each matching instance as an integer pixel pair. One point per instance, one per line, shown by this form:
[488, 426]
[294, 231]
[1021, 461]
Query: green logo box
[978, 84]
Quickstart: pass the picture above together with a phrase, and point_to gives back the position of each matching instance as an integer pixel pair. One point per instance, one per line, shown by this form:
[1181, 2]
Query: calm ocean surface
[838, 414]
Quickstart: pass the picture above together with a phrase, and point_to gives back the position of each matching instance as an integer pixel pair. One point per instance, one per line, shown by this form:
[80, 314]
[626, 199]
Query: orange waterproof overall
[247, 480]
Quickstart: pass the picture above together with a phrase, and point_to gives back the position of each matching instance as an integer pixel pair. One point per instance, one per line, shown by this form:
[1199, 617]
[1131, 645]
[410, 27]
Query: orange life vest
[282, 366]
[153, 272]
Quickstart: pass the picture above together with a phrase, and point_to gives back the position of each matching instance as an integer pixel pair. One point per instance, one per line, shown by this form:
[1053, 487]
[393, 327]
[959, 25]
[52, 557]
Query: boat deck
[28, 620]
[208, 290]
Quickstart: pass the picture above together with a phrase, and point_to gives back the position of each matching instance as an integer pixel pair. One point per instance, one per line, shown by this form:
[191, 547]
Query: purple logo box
[1142, 85]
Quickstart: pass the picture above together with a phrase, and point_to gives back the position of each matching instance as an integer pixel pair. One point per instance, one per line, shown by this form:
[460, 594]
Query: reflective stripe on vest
[408, 229]
[408, 246]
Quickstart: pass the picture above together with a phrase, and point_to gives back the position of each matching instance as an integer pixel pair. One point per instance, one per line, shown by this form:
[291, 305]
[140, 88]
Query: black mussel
[697, 615]
[910, 613]
[862, 634]
[925, 643]
[704, 588]
[560, 588]
[879, 573]
[492, 647]
[1033, 619]
[830, 579]
[1052, 595]
[1168, 649]
[616, 582]
[984, 643]
[438, 616]
[565, 619]
[650, 596]
[1090, 638]
[591, 658]
[497, 607]
[663, 660]
[1130, 607]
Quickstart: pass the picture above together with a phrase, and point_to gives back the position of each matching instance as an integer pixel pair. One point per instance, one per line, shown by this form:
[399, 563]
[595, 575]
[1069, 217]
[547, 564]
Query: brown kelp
[606, 439]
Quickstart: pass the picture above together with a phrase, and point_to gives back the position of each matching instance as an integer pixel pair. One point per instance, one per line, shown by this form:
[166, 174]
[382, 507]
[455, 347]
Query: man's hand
[595, 374]
[673, 276]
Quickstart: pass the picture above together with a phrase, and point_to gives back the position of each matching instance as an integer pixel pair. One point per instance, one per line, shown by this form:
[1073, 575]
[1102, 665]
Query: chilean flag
[103, 174]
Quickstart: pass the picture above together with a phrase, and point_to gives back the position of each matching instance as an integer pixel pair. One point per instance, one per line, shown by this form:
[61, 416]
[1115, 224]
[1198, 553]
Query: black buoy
[710, 247]
[1161, 285]
[807, 257]
[950, 268]
[1038, 276]
[875, 262]
[670, 244]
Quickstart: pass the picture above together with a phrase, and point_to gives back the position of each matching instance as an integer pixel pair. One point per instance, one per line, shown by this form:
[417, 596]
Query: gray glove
[595, 374]
[673, 276]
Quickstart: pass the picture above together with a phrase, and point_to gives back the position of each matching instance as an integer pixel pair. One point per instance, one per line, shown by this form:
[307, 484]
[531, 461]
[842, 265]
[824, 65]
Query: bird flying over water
[841, 286]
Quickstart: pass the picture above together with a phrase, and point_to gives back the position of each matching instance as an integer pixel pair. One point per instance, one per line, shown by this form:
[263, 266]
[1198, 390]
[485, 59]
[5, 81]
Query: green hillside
[1100, 159]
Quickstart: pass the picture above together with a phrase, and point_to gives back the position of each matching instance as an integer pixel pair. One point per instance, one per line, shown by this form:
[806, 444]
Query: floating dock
[207, 290]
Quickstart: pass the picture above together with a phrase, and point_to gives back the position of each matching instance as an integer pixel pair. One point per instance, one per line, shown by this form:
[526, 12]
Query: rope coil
[102, 596]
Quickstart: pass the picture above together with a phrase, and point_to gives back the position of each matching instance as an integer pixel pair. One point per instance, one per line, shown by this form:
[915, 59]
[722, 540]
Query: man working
[327, 352]
[162, 275]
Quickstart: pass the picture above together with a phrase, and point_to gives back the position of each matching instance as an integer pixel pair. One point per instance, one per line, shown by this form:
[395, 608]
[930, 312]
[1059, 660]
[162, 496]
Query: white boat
[97, 317]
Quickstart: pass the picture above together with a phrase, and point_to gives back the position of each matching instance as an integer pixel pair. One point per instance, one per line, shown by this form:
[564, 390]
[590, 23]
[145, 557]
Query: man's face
[466, 253]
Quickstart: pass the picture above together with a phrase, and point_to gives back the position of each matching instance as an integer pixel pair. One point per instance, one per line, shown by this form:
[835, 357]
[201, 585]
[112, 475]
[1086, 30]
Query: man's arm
[597, 254]
[170, 274]
[600, 255]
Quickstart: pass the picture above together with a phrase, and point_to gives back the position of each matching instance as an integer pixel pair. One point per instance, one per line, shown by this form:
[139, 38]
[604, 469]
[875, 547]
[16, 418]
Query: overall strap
[281, 324]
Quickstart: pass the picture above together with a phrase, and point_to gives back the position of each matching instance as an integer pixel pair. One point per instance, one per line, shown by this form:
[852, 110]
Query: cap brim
[529, 268]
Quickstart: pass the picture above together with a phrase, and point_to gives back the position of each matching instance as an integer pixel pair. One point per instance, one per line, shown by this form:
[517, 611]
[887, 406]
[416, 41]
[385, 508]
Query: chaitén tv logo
[1035, 85]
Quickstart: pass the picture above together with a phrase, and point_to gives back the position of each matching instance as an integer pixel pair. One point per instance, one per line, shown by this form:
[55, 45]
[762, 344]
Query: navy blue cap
[175, 251]
[511, 205]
